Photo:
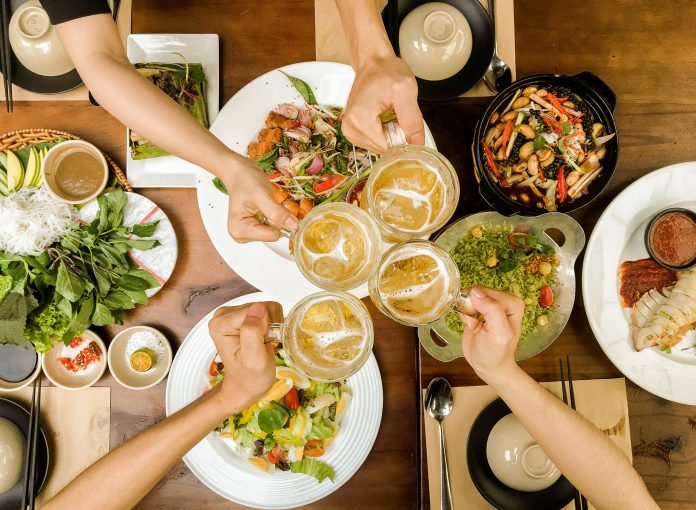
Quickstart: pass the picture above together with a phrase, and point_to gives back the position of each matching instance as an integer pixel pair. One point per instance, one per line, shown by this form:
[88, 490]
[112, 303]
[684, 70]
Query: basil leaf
[118, 300]
[68, 284]
[145, 229]
[65, 306]
[141, 273]
[219, 185]
[141, 244]
[303, 88]
[139, 297]
[102, 315]
[271, 420]
[102, 277]
[132, 283]
[266, 162]
[539, 143]
[567, 127]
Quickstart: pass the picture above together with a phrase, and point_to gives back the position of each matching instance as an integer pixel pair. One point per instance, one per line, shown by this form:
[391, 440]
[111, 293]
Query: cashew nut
[511, 115]
[492, 134]
[601, 152]
[569, 104]
[573, 177]
[494, 118]
[597, 129]
[533, 165]
[529, 91]
[526, 151]
[520, 102]
[541, 93]
[526, 130]
[519, 167]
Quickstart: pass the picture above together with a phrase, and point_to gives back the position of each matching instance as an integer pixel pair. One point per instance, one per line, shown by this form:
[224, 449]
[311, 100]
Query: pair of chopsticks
[32, 441]
[580, 500]
[6, 53]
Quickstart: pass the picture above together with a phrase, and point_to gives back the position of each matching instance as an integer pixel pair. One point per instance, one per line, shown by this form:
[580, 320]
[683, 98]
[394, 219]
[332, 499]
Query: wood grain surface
[645, 52]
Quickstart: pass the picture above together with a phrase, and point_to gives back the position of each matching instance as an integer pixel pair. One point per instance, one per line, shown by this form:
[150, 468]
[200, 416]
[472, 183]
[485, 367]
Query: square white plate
[170, 171]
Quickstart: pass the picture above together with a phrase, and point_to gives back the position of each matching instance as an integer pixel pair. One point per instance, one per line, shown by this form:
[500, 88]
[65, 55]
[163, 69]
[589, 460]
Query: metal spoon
[438, 404]
[498, 75]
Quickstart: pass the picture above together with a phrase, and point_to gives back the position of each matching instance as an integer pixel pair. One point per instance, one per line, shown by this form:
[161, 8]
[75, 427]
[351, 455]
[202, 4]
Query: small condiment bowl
[53, 158]
[648, 243]
[67, 380]
[35, 41]
[119, 363]
[11, 386]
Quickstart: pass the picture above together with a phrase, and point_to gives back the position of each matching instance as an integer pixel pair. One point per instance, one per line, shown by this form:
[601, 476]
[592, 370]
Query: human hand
[382, 83]
[238, 333]
[489, 345]
[251, 193]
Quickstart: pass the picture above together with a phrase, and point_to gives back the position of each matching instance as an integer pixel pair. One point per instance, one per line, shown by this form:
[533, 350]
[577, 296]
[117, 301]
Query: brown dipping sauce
[79, 174]
[672, 239]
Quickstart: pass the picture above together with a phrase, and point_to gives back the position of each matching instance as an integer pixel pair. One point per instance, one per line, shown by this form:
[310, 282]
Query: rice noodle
[31, 220]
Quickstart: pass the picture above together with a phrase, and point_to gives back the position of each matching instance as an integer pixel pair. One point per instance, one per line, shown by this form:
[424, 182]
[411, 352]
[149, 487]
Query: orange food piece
[276, 120]
[257, 150]
[279, 194]
[292, 206]
[306, 205]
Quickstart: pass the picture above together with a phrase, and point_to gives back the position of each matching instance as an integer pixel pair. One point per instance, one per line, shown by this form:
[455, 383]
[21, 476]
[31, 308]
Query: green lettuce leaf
[313, 468]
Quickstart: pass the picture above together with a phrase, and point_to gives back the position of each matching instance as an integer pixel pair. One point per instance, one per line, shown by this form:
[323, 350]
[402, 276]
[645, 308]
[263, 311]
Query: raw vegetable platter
[268, 266]
[61, 273]
[219, 468]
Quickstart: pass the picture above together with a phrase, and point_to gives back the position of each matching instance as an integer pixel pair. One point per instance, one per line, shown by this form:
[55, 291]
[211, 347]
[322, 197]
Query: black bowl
[599, 98]
[688, 212]
[493, 490]
[483, 39]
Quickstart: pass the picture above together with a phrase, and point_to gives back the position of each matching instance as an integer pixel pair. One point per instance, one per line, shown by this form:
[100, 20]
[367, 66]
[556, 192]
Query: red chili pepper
[274, 175]
[75, 342]
[66, 363]
[542, 178]
[295, 124]
[330, 182]
[562, 190]
[557, 104]
[505, 183]
[507, 131]
[490, 160]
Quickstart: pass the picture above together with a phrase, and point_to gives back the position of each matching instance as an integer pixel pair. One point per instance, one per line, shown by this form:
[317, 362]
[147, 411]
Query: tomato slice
[75, 342]
[314, 448]
[275, 455]
[213, 369]
[66, 363]
[546, 296]
[292, 399]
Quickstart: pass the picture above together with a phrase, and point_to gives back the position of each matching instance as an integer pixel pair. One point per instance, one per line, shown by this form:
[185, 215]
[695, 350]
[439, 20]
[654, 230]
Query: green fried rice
[486, 257]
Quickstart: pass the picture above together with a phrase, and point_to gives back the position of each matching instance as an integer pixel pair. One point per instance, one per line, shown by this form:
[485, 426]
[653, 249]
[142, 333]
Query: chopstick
[32, 439]
[580, 500]
[6, 55]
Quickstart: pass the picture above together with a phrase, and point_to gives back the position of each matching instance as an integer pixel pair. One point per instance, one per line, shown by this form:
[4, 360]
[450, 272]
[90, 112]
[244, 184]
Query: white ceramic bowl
[119, 363]
[8, 387]
[516, 459]
[36, 43]
[53, 158]
[65, 379]
[435, 41]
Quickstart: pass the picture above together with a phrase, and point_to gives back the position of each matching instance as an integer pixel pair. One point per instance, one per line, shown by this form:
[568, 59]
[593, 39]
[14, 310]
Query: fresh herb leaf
[117, 299]
[102, 315]
[132, 283]
[539, 143]
[139, 297]
[271, 420]
[266, 162]
[68, 284]
[303, 88]
[219, 185]
[567, 127]
[144, 275]
[145, 229]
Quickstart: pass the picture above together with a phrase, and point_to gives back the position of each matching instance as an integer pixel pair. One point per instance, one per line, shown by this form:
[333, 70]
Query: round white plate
[158, 261]
[268, 266]
[617, 237]
[232, 477]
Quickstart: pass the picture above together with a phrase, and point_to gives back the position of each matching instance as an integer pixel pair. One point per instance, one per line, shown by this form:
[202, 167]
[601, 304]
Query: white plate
[158, 261]
[171, 171]
[618, 236]
[268, 266]
[232, 477]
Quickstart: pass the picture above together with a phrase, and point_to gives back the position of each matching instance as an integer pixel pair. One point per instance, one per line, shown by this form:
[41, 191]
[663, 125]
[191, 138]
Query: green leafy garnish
[219, 185]
[314, 468]
[272, 419]
[266, 162]
[567, 127]
[303, 88]
[539, 143]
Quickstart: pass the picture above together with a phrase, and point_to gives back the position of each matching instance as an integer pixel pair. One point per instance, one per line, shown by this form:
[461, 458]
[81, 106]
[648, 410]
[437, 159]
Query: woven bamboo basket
[26, 137]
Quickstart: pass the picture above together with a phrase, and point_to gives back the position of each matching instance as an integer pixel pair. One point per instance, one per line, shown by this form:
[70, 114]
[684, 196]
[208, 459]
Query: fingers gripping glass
[328, 336]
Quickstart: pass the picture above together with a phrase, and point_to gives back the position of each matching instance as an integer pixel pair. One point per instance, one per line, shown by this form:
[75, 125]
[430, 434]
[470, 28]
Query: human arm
[97, 53]
[382, 80]
[125, 475]
[578, 448]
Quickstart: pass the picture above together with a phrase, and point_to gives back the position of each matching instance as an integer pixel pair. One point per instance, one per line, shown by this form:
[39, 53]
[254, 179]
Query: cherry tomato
[213, 370]
[314, 448]
[275, 455]
[292, 399]
[546, 296]
[75, 342]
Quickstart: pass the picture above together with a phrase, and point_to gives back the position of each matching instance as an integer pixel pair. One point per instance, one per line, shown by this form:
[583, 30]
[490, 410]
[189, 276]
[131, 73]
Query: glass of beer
[336, 246]
[412, 190]
[416, 283]
[328, 336]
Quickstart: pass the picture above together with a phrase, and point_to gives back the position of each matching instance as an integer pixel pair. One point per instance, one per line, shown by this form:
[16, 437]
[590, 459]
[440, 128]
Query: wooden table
[647, 53]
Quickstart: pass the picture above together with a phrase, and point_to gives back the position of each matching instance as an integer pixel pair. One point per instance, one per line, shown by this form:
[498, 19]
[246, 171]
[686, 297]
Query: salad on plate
[292, 426]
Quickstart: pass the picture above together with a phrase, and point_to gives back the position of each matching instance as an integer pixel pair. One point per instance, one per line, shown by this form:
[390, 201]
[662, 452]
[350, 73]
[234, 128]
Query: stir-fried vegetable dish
[498, 257]
[292, 426]
[545, 147]
[302, 150]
